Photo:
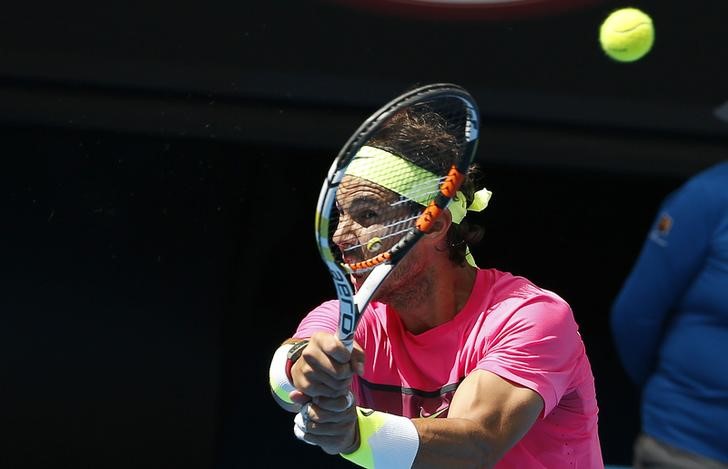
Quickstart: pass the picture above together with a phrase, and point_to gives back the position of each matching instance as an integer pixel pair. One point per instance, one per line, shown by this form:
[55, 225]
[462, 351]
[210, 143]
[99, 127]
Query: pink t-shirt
[509, 327]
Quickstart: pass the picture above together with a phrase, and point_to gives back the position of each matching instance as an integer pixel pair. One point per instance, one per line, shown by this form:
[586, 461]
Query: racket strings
[422, 191]
[387, 232]
[370, 250]
[433, 154]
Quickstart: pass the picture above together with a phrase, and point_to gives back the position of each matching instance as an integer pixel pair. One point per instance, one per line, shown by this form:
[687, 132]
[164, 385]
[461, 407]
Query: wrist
[280, 383]
[292, 355]
[355, 445]
[386, 441]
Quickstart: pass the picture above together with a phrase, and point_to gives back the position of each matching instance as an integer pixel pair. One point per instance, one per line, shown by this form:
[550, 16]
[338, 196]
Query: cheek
[374, 239]
[411, 265]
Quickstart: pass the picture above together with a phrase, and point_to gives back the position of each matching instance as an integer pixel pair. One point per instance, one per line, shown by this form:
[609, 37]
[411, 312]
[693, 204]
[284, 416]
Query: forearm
[389, 441]
[452, 442]
[486, 418]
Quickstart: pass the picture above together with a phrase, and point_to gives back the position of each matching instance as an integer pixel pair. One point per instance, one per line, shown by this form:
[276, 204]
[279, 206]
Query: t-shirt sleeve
[671, 257]
[323, 318]
[537, 346]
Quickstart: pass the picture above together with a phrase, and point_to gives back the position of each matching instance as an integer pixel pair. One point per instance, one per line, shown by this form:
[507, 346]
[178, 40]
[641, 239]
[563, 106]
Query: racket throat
[367, 290]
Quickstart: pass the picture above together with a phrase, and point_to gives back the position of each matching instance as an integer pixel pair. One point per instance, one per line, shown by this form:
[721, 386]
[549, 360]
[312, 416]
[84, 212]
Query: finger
[335, 404]
[297, 397]
[305, 413]
[311, 386]
[299, 429]
[331, 437]
[333, 371]
[317, 416]
[333, 347]
[339, 352]
[318, 429]
[317, 368]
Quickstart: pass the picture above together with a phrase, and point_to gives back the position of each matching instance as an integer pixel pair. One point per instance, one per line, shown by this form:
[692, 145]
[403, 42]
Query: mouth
[351, 255]
[349, 260]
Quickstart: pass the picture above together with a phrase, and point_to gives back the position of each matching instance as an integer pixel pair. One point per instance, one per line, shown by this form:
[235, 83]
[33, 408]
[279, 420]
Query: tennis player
[453, 365]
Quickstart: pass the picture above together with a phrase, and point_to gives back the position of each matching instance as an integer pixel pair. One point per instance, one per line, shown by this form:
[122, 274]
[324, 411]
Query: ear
[440, 226]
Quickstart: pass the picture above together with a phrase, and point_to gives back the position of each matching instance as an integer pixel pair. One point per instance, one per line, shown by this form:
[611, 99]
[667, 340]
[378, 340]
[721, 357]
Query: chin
[357, 280]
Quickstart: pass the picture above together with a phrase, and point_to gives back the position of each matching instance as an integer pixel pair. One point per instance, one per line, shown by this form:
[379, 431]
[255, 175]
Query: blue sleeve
[671, 256]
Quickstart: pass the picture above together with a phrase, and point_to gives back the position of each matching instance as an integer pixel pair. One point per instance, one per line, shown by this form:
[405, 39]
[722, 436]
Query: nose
[345, 233]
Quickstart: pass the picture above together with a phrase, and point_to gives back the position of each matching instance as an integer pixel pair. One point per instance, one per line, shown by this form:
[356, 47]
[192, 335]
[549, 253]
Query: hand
[330, 423]
[322, 376]
[325, 368]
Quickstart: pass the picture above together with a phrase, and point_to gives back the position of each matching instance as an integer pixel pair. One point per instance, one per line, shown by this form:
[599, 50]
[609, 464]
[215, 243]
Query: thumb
[298, 397]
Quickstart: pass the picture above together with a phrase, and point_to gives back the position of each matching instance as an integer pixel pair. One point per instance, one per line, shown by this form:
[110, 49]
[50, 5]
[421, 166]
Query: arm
[487, 416]
[671, 257]
[491, 410]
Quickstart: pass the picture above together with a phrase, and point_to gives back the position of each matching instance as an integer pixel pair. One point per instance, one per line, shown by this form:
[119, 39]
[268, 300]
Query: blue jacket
[670, 320]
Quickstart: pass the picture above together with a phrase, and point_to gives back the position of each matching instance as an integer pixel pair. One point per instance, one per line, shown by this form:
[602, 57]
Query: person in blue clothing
[670, 327]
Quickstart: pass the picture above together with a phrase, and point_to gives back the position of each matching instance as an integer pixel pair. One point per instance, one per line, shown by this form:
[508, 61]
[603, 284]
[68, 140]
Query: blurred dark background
[163, 160]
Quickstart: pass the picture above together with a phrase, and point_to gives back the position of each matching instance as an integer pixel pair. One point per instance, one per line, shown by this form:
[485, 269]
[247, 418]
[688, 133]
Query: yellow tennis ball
[627, 34]
[374, 244]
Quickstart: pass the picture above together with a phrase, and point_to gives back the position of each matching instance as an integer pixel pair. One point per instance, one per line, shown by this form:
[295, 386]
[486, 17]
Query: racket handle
[349, 344]
[351, 307]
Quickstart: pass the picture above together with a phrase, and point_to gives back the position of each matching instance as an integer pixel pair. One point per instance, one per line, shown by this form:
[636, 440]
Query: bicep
[504, 410]
[487, 416]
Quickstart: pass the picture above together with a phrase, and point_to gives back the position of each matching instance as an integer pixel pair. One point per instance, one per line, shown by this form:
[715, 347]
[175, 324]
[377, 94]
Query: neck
[435, 298]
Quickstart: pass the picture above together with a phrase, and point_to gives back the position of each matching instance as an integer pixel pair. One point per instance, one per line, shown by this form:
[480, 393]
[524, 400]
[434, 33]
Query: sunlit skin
[411, 285]
[368, 211]
[487, 415]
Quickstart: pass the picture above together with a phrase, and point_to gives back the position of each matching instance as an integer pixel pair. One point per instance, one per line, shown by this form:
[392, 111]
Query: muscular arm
[487, 416]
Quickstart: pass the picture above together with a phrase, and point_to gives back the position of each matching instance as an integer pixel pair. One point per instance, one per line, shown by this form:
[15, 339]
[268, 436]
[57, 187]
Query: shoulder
[518, 301]
[712, 180]
[701, 201]
[517, 289]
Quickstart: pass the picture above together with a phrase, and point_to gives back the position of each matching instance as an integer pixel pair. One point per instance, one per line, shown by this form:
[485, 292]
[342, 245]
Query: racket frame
[352, 304]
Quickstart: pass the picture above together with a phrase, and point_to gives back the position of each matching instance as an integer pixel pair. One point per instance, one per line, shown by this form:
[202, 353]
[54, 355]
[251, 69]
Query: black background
[163, 161]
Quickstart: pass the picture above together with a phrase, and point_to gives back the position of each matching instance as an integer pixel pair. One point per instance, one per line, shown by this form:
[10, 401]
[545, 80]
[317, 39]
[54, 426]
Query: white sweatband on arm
[279, 382]
[386, 441]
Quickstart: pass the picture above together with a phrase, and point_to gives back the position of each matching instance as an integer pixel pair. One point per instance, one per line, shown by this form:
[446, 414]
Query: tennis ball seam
[627, 34]
[633, 28]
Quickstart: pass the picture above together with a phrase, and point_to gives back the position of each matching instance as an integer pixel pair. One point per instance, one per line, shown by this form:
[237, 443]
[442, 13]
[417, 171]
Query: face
[371, 221]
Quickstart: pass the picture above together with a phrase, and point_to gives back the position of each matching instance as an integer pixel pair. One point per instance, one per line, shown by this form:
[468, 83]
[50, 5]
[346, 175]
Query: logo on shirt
[662, 229]
[365, 412]
[434, 415]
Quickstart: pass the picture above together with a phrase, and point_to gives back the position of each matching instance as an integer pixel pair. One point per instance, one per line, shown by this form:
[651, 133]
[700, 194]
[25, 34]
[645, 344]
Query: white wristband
[279, 382]
[386, 441]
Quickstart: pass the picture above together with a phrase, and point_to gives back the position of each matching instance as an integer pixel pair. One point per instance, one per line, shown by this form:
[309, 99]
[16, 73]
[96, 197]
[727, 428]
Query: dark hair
[433, 150]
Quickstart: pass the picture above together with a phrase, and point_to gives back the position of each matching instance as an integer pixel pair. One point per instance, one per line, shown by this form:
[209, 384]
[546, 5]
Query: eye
[365, 217]
[369, 215]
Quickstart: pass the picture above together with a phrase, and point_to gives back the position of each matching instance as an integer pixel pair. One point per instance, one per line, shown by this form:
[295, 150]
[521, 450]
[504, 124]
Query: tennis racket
[417, 148]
